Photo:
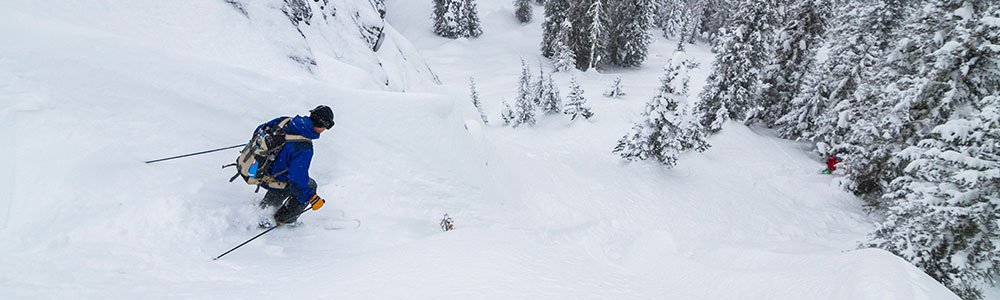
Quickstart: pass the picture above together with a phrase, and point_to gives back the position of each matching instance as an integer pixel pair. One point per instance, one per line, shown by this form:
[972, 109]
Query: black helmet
[322, 116]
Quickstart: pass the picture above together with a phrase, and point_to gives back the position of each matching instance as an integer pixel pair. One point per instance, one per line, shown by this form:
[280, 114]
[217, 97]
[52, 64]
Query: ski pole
[258, 235]
[196, 153]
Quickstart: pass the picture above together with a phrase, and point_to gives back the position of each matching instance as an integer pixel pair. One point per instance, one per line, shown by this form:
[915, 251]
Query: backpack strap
[292, 137]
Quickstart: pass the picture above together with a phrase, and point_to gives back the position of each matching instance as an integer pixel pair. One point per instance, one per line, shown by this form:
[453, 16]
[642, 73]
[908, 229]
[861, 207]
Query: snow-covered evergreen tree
[714, 15]
[948, 61]
[630, 36]
[524, 103]
[576, 103]
[589, 37]
[563, 58]
[944, 108]
[684, 66]
[671, 16]
[539, 86]
[794, 55]
[472, 24]
[598, 36]
[475, 99]
[864, 31]
[807, 107]
[689, 31]
[507, 113]
[616, 89]
[871, 107]
[551, 101]
[522, 10]
[694, 17]
[443, 19]
[556, 12]
[456, 18]
[730, 93]
[662, 133]
[943, 211]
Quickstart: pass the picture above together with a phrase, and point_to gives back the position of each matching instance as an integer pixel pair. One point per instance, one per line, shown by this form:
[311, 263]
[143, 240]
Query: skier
[291, 165]
[831, 164]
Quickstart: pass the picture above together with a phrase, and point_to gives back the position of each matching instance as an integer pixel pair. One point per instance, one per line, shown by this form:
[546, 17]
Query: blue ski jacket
[295, 157]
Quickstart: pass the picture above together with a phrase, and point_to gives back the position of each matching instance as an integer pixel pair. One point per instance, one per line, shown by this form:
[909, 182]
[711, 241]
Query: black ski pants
[288, 206]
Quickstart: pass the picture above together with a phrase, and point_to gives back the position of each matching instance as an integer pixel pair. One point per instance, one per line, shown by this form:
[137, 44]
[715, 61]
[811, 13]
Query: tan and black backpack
[257, 156]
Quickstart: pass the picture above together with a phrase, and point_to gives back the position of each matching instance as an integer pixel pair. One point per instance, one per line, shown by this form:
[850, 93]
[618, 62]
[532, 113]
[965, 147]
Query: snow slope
[541, 213]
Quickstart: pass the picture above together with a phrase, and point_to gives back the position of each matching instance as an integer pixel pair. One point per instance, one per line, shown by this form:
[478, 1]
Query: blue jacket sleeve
[298, 172]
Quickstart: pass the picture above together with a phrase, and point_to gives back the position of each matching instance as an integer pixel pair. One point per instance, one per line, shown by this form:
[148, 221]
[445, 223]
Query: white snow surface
[546, 212]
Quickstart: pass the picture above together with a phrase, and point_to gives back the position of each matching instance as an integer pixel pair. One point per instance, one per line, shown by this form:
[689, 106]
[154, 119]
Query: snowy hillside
[91, 90]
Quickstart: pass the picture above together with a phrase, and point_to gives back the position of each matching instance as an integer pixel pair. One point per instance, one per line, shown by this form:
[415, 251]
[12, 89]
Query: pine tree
[671, 16]
[598, 36]
[446, 15]
[525, 101]
[551, 101]
[863, 31]
[945, 111]
[522, 10]
[684, 66]
[579, 36]
[616, 89]
[563, 57]
[507, 113]
[473, 27]
[807, 107]
[475, 99]
[456, 18]
[576, 103]
[694, 18]
[946, 63]
[875, 87]
[440, 18]
[630, 37]
[714, 16]
[539, 86]
[732, 86]
[662, 133]
[589, 37]
[943, 212]
[794, 55]
[552, 28]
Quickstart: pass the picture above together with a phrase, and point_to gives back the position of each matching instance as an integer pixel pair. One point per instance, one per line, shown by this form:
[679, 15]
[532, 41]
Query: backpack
[257, 156]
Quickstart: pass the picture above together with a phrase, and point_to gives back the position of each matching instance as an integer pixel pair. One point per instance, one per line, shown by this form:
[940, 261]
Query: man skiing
[291, 165]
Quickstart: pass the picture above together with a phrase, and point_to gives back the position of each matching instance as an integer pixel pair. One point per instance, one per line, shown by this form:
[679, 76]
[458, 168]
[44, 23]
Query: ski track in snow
[540, 213]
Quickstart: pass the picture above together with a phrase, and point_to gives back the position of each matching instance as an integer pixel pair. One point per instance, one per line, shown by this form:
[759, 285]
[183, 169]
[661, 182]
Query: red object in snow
[831, 163]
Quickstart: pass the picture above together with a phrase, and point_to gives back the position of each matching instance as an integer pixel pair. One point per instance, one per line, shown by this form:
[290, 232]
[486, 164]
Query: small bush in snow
[475, 99]
[616, 89]
[522, 10]
[507, 113]
[576, 104]
[447, 224]
[551, 101]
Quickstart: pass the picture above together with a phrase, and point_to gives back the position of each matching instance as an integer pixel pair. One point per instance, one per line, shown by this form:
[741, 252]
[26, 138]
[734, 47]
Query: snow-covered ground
[540, 213]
